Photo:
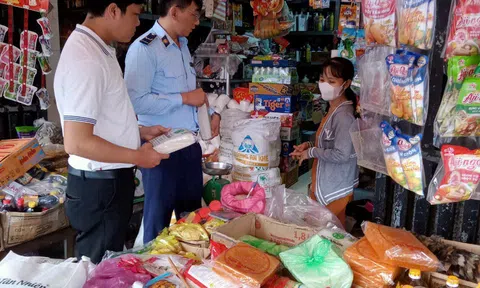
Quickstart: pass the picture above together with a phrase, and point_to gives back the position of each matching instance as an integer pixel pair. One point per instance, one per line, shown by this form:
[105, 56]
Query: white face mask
[329, 92]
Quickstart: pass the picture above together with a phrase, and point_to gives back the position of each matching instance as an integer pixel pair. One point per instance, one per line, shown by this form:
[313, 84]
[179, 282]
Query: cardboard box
[290, 178]
[22, 227]
[281, 104]
[203, 253]
[262, 227]
[17, 156]
[287, 164]
[289, 134]
[437, 280]
[271, 89]
[286, 119]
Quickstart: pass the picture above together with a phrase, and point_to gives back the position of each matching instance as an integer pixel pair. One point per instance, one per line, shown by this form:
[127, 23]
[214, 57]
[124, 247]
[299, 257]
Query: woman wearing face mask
[335, 171]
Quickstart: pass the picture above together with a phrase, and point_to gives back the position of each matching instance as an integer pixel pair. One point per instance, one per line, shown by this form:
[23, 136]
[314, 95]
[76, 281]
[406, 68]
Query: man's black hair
[97, 8]
[165, 5]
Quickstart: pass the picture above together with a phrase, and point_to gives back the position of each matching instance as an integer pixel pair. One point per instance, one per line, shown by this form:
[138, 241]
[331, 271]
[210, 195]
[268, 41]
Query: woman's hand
[302, 147]
[301, 156]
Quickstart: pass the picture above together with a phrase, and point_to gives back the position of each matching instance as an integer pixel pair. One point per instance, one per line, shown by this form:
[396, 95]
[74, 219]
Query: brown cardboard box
[437, 280]
[17, 156]
[262, 227]
[290, 178]
[203, 253]
[22, 227]
[271, 89]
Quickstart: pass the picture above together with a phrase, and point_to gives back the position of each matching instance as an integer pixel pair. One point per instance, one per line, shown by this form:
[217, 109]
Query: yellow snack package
[189, 232]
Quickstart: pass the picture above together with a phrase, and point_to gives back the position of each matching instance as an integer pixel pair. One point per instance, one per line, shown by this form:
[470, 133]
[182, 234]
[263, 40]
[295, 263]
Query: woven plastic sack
[399, 247]
[368, 267]
[315, 264]
[234, 197]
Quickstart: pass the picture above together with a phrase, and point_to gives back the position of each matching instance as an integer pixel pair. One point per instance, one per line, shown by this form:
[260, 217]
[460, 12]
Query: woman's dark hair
[97, 7]
[343, 68]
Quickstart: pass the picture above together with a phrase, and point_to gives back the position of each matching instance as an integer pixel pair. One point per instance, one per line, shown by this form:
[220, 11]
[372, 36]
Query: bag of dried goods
[467, 117]
[246, 265]
[464, 34]
[391, 154]
[416, 23]
[409, 149]
[379, 18]
[461, 175]
[399, 247]
[315, 264]
[368, 267]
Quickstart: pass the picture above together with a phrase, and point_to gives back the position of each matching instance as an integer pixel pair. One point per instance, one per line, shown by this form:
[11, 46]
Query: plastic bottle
[7, 205]
[332, 22]
[31, 207]
[295, 19]
[321, 22]
[414, 279]
[452, 282]
[21, 204]
[308, 53]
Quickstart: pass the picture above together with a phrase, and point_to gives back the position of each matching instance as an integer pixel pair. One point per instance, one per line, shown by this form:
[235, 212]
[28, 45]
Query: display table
[66, 235]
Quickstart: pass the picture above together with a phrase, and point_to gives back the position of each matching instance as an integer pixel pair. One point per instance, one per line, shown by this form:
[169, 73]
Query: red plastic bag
[216, 249]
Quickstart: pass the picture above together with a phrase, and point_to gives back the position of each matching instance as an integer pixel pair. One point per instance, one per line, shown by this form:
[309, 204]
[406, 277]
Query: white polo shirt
[89, 88]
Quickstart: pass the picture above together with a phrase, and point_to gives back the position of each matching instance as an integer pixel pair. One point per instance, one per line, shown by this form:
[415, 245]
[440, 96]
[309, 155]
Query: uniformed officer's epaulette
[165, 41]
[147, 40]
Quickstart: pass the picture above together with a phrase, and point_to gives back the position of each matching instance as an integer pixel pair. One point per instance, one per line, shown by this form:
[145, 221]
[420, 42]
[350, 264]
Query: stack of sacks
[256, 154]
[278, 101]
[377, 259]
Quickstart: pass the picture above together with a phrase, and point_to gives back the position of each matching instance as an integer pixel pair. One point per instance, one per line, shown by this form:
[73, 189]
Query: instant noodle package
[416, 23]
[461, 176]
[464, 34]
[403, 158]
[368, 268]
[399, 247]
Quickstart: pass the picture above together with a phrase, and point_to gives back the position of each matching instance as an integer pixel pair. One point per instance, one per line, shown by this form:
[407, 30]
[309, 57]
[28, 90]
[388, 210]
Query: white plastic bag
[173, 141]
[20, 271]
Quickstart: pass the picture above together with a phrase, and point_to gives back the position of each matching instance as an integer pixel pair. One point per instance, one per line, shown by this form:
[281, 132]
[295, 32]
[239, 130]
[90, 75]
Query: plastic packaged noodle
[173, 141]
[399, 247]
[315, 264]
[410, 152]
[189, 232]
[368, 267]
[337, 236]
[392, 157]
[264, 245]
[246, 265]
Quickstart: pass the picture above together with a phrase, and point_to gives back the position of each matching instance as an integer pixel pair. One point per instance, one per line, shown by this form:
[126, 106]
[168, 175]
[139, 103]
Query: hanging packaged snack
[461, 175]
[25, 94]
[459, 68]
[46, 28]
[11, 93]
[420, 89]
[348, 17]
[31, 58]
[31, 73]
[409, 149]
[399, 247]
[46, 46]
[467, 117]
[3, 85]
[28, 40]
[392, 155]
[3, 32]
[44, 64]
[464, 34]
[400, 68]
[5, 55]
[16, 72]
[416, 23]
[368, 266]
[379, 18]
[44, 98]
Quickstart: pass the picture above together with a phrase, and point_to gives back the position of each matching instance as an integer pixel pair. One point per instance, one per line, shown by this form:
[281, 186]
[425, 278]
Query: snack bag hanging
[410, 153]
[463, 37]
[379, 18]
[400, 248]
[467, 118]
[461, 176]
[416, 22]
[368, 266]
[392, 157]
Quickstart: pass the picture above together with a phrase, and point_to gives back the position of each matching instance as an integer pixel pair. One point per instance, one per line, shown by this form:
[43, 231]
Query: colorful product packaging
[270, 103]
[46, 28]
[410, 153]
[5, 55]
[391, 154]
[379, 18]
[25, 94]
[464, 35]
[44, 64]
[288, 120]
[31, 58]
[467, 118]
[416, 23]
[3, 32]
[46, 46]
[28, 40]
[44, 98]
[270, 89]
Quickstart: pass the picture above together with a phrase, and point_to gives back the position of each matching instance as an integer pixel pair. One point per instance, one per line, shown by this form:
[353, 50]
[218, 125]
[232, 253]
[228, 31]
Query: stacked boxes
[278, 101]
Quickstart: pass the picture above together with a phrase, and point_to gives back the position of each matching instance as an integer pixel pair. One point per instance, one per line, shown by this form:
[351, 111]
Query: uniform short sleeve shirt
[89, 88]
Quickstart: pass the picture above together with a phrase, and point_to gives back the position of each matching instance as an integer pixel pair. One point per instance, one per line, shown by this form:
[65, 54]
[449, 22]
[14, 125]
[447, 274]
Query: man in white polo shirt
[100, 128]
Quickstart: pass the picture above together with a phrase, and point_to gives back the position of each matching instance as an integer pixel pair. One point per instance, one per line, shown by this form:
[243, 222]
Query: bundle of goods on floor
[299, 244]
[32, 190]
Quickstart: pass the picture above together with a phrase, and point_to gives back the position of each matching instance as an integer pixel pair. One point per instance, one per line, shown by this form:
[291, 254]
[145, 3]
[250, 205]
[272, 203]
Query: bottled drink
[32, 207]
[7, 205]
[452, 282]
[414, 280]
[308, 53]
[321, 21]
[20, 204]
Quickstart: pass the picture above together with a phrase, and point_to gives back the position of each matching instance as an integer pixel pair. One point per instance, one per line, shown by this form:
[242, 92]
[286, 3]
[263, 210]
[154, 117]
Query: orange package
[246, 264]
[360, 281]
[399, 247]
[367, 266]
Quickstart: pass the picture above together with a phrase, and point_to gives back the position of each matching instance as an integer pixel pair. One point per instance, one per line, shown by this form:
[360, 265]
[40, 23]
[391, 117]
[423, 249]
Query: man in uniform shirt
[100, 128]
[161, 82]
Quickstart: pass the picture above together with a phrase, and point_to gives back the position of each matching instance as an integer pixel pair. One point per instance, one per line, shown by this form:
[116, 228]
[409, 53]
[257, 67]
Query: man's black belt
[102, 174]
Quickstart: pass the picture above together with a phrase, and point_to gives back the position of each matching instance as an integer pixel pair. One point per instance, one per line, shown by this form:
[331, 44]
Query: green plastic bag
[264, 245]
[316, 265]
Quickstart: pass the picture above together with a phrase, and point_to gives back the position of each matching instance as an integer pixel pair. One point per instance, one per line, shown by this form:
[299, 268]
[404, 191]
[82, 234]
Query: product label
[464, 35]
[467, 119]
[379, 19]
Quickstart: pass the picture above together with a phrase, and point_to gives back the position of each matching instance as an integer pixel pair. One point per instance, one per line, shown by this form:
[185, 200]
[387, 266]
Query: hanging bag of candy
[272, 18]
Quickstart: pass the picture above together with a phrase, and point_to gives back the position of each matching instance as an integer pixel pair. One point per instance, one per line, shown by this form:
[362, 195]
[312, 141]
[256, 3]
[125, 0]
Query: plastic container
[175, 140]
[204, 122]
[414, 279]
[453, 282]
